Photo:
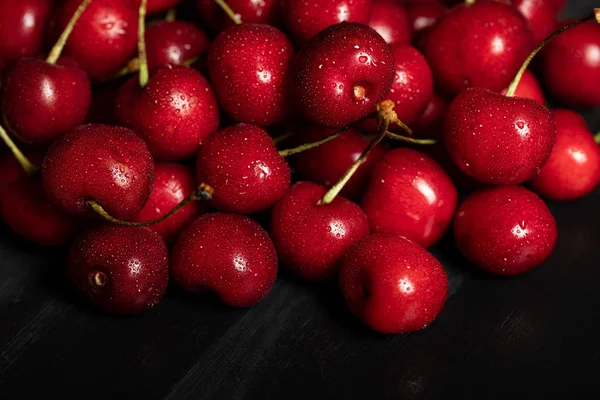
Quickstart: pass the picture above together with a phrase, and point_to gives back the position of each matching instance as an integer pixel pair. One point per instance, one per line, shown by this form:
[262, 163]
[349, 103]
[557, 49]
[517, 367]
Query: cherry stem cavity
[308, 146]
[143, 59]
[171, 15]
[29, 168]
[203, 192]
[64, 36]
[513, 85]
[234, 17]
[98, 278]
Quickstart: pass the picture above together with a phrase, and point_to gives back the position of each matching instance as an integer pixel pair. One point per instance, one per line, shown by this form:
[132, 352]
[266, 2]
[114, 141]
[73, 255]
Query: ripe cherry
[248, 66]
[505, 230]
[244, 168]
[120, 270]
[172, 184]
[392, 284]
[311, 238]
[541, 16]
[573, 169]
[529, 88]
[227, 254]
[305, 19]
[422, 17]
[390, 20]
[409, 194]
[106, 164]
[248, 11]
[498, 139]
[341, 75]
[477, 45]
[431, 122]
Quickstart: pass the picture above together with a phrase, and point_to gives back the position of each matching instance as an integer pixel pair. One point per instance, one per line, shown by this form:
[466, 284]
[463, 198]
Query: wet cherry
[541, 16]
[390, 20]
[249, 12]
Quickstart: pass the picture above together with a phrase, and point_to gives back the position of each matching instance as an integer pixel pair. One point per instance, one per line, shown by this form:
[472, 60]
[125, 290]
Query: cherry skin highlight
[409, 194]
[573, 169]
[529, 88]
[311, 238]
[22, 27]
[119, 270]
[341, 75]
[249, 11]
[390, 20]
[392, 284]
[248, 66]
[478, 45]
[228, 254]
[172, 184]
[244, 168]
[42, 101]
[505, 230]
[540, 15]
[304, 19]
[497, 139]
[108, 164]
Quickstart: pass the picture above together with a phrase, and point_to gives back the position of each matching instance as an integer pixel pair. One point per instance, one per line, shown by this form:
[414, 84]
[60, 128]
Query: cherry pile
[207, 143]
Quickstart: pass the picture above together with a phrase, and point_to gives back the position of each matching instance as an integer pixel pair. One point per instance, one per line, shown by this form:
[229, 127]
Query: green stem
[171, 15]
[469, 2]
[29, 168]
[64, 36]
[143, 65]
[404, 126]
[308, 146]
[410, 140]
[597, 137]
[234, 17]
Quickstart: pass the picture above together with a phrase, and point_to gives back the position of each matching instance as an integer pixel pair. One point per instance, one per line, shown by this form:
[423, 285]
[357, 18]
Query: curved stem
[171, 15]
[407, 139]
[64, 36]
[143, 59]
[513, 85]
[308, 146]
[202, 192]
[234, 17]
[404, 126]
[29, 168]
[597, 137]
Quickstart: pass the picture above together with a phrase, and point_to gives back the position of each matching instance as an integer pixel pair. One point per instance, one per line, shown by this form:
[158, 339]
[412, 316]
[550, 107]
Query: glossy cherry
[409, 194]
[570, 66]
[390, 20]
[249, 12]
[392, 284]
[172, 184]
[244, 168]
[105, 37]
[341, 75]
[228, 254]
[108, 164]
[22, 27]
[573, 169]
[431, 122]
[498, 139]
[422, 17]
[304, 19]
[478, 45]
[529, 88]
[505, 230]
[541, 16]
[119, 270]
[248, 66]
[173, 43]
[158, 6]
[311, 238]
[327, 163]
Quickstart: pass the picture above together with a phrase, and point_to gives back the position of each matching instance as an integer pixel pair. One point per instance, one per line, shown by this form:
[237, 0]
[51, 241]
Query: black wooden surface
[532, 336]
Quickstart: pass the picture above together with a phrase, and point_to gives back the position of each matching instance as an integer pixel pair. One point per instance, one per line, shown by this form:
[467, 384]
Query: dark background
[533, 336]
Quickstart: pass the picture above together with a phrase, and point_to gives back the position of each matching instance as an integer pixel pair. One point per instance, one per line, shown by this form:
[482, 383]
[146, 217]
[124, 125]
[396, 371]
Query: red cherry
[108, 164]
[249, 11]
[120, 270]
[228, 254]
[327, 163]
[42, 101]
[478, 45]
[413, 83]
[422, 17]
[392, 284]
[541, 16]
[558, 5]
[172, 184]
[570, 66]
[311, 238]
[304, 19]
[342, 74]
[173, 43]
[505, 230]
[411, 195]
[22, 26]
[158, 6]
[529, 88]
[431, 122]
[389, 19]
[248, 66]
[461, 181]
[498, 139]
[244, 168]
[105, 37]
[573, 169]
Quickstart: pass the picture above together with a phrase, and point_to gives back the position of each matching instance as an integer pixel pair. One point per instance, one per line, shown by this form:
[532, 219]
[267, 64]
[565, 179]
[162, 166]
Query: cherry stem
[28, 167]
[510, 92]
[202, 192]
[143, 59]
[407, 139]
[597, 137]
[133, 65]
[469, 2]
[234, 17]
[308, 146]
[171, 15]
[64, 36]
[283, 137]
[403, 126]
